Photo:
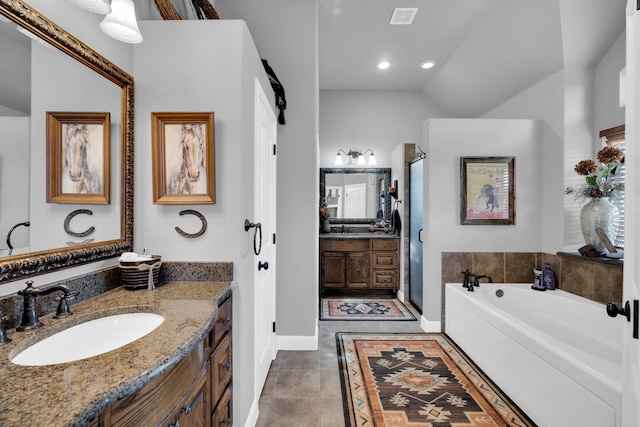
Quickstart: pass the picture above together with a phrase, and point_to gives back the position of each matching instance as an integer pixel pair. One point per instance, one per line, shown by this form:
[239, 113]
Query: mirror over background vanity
[360, 255]
[53, 71]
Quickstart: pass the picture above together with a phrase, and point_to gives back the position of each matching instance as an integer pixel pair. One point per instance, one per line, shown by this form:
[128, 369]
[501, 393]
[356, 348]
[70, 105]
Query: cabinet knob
[226, 421]
[227, 366]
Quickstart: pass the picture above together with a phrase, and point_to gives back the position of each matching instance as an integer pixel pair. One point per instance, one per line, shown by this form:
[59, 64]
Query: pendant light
[121, 23]
[95, 6]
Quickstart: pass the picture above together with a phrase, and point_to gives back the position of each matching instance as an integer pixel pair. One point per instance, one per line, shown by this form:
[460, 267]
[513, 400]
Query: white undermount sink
[89, 339]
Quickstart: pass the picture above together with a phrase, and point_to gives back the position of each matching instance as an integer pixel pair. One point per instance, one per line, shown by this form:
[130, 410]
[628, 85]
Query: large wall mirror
[45, 69]
[356, 195]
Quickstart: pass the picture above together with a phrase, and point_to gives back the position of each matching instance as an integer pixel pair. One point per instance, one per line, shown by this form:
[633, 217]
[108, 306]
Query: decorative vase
[326, 225]
[600, 214]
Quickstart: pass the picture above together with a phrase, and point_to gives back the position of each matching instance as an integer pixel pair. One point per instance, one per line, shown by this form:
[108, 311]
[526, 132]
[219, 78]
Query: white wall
[446, 140]
[14, 179]
[608, 113]
[380, 120]
[198, 66]
[285, 33]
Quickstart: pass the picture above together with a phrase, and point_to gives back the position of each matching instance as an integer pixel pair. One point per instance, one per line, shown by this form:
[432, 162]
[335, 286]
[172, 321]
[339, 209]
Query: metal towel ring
[202, 229]
[258, 227]
[68, 219]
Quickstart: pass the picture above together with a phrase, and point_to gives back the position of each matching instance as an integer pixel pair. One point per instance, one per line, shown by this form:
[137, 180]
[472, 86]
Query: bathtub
[556, 355]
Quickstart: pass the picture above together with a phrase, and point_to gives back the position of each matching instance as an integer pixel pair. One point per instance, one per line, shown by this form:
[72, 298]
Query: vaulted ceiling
[486, 51]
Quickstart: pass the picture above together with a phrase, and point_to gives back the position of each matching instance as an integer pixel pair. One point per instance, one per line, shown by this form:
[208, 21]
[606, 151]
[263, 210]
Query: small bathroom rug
[364, 309]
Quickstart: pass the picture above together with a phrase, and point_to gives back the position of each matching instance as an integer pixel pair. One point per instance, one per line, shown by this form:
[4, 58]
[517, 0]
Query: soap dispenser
[549, 277]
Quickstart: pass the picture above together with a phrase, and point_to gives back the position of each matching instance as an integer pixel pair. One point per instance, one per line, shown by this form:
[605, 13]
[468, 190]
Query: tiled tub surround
[71, 394]
[595, 279]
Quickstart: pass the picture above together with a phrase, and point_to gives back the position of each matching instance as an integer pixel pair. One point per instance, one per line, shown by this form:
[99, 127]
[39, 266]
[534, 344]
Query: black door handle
[262, 265]
[613, 310]
[420, 236]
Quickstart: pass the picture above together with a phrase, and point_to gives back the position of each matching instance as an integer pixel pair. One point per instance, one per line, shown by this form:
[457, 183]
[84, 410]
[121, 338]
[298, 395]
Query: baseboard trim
[292, 342]
[252, 417]
[430, 326]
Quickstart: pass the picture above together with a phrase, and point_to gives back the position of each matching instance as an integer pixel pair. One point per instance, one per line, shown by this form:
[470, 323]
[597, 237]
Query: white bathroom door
[631, 288]
[355, 199]
[265, 135]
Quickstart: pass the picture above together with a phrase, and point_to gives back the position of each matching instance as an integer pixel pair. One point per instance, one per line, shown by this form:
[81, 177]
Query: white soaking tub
[556, 355]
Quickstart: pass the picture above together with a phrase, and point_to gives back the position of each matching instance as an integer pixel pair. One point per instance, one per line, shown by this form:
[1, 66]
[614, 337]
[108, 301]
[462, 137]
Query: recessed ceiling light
[383, 65]
[427, 64]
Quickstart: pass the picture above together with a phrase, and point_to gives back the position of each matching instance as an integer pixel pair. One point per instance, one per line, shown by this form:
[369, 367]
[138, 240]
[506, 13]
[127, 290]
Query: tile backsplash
[597, 280]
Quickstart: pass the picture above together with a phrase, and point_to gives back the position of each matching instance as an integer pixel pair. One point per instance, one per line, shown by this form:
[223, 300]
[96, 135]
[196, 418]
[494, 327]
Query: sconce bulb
[372, 160]
[338, 161]
[361, 160]
[121, 23]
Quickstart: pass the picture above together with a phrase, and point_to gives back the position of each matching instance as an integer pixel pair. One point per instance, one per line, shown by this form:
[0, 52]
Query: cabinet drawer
[221, 369]
[385, 260]
[344, 245]
[223, 323]
[384, 244]
[385, 279]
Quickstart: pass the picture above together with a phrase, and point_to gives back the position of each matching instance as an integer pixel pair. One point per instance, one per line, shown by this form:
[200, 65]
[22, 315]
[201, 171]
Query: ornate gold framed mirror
[59, 256]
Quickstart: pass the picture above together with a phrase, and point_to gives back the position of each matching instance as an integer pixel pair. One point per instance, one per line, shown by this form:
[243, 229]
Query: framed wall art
[78, 157]
[183, 153]
[487, 194]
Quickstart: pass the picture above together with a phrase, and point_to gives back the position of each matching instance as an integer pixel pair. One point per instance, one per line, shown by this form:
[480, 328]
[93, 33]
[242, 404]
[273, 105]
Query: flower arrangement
[601, 181]
[324, 209]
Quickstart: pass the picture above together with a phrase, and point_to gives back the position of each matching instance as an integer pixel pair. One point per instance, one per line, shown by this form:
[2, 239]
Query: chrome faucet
[30, 319]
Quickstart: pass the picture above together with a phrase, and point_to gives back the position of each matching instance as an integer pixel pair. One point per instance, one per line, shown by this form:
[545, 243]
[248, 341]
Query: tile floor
[303, 387]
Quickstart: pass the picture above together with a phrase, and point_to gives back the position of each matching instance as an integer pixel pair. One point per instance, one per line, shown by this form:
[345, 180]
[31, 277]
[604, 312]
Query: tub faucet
[465, 282]
[30, 319]
[476, 283]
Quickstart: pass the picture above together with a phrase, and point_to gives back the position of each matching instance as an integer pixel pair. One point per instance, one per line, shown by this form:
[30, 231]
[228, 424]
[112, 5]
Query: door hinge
[274, 149]
[274, 327]
[274, 238]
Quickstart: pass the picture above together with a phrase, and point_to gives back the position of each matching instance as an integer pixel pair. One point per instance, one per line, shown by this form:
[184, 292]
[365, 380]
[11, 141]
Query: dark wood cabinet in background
[358, 266]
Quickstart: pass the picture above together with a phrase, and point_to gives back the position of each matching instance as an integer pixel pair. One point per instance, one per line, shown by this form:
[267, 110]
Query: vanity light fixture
[356, 157]
[383, 65]
[121, 23]
[101, 7]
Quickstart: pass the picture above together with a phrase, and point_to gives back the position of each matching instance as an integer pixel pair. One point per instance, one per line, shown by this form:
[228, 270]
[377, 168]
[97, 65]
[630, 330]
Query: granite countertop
[366, 235]
[72, 394]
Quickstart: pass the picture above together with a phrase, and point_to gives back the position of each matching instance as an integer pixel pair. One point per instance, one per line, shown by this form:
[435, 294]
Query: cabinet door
[192, 411]
[358, 267]
[223, 414]
[220, 369]
[332, 270]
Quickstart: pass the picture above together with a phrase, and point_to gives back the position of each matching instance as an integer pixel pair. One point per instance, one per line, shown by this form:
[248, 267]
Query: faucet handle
[63, 305]
[29, 289]
[3, 332]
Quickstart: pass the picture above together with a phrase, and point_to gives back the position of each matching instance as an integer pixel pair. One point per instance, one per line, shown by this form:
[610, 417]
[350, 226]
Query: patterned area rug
[419, 381]
[364, 309]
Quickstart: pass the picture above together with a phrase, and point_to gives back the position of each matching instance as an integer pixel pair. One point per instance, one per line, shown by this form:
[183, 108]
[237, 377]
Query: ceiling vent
[403, 15]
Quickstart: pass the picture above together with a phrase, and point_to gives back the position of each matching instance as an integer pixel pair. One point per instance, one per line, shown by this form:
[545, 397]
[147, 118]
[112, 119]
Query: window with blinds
[615, 137]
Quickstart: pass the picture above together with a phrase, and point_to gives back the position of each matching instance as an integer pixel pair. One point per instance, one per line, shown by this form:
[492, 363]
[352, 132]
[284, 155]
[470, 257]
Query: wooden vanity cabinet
[221, 367]
[194, 393]
[353, 265]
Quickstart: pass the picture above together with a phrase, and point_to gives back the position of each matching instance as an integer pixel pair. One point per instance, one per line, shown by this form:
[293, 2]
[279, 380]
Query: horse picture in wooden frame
[183, 152]
[78, 157]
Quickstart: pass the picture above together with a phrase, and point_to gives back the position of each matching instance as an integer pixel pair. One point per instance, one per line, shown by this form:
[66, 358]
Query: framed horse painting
[78, 157]
[487, 195]
[183, 158]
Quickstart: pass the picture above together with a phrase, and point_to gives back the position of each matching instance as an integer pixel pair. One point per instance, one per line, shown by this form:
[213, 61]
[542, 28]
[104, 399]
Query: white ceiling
[486, 50]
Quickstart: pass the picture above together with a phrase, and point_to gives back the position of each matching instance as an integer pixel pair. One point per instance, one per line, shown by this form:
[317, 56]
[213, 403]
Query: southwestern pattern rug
[364, 309]
[417, 380]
